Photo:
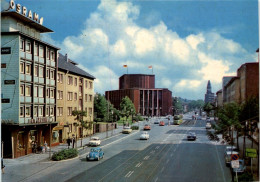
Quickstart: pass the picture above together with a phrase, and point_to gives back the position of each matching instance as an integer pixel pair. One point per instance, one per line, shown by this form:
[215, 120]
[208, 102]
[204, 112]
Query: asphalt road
[166, 156]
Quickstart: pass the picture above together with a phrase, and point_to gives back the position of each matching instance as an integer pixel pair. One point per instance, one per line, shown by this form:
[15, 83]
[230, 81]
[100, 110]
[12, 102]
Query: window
[35, 111]
[48, 92]
[28, 69]
[51, 111]
[48, 53]
[86, 110]
[81, 80]
[40, 113]
[28, 47]
[86, 84]
[3, 65]
[41, 92]
[22, 44]
[90, 111]
[80, 90]
[36, 49]
[22, 90]
[48, 73]
[41, 51]
[70, 95]
[75, 96]
[41, 72]
[52, 74]
[70, 80]
[75, 81]
[21, 111]
[52, 55]
[22, 67]
[60, 95]
[90, 98]
[27, 111]
[36, 70]
[47, 111]
[28, 90]
[60, 78]
[90, 85]
[60, 111]
[75, 108]
[52, 93]
[69, 111]
[36, 93]
[86, 97]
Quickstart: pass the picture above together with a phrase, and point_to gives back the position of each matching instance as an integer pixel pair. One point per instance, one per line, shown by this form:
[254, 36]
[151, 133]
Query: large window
[28, 69]
[41, 51]
[70, 95]
[70, 80]
[22, 42]
[60, 78]
[59, 111]
[69, 111]
[28, 46]
[22, 67]
[28, 90]
[28, 111]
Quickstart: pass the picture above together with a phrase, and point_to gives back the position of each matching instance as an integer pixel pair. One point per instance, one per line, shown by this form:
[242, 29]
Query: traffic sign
[234, 157]
[251, 153]
[235, 164]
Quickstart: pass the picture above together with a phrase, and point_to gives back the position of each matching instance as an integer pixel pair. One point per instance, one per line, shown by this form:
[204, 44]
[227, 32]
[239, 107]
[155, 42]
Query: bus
[177, 119]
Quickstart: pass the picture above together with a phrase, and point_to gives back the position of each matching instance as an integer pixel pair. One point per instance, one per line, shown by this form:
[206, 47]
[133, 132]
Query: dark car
[191, 136]
[95, 154]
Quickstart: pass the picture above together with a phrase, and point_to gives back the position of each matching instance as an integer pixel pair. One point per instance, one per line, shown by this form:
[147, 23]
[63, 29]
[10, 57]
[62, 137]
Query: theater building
[28, 83]
[140, 88]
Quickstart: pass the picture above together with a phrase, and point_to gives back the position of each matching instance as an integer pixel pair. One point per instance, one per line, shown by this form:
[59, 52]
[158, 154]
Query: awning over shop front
[58, 128]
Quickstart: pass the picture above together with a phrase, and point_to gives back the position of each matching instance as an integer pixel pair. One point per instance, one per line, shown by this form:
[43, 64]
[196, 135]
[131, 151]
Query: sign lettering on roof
[24, 11]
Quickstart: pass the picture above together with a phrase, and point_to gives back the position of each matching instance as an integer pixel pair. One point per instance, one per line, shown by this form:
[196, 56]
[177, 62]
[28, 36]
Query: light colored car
[208, 126]
[228, 156]
[144, 136]
[94, 141]
[127, 130]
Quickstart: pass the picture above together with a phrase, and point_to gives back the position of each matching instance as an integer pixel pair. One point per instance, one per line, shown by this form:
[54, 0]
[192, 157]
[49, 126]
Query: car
[94, 141]
[228, 155]
[191, 136]
[156, 122]
[95, 154]
[161, 123]
[208, 126]
[127, 130]
[230, 148]
[241, 168]
[147, 127]
[144, 136]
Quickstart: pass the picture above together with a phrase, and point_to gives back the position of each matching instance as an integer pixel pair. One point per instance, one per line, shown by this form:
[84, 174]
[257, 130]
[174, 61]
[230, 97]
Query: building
[232, 89]
[75, 91]
[209, 96]
[219, 98]
[28, 83]
[225, 81]
[140, 88]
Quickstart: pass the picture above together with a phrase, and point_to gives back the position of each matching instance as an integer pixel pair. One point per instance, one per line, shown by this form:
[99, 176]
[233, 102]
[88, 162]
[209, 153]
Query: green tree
[100, 108]
[177, 105]
[208, 107]
[195, 104]
[80, 122]
[127, 107]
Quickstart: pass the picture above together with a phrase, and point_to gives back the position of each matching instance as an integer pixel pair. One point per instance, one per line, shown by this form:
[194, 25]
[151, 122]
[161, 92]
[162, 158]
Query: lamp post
[112, 123]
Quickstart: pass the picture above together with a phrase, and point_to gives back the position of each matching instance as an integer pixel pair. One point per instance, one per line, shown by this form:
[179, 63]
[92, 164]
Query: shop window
[32, 138]
[20, 140]
[55, 136]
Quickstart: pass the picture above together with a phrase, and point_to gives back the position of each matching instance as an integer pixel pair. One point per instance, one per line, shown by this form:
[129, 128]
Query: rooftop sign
[27, 13]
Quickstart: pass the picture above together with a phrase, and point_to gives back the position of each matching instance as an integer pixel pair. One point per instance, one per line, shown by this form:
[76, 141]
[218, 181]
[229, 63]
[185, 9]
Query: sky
[187, 42]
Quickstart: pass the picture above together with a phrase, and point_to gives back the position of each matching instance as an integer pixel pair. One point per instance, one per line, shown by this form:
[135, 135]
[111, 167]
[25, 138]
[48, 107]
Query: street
[166, 156]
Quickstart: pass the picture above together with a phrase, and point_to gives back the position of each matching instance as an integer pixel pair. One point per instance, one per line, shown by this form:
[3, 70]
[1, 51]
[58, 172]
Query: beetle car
[161, 123]
[95, 154]
[144, 136]
[191, 136]
[94, 141]
[147, 127]
[208, 125]
[127, 130]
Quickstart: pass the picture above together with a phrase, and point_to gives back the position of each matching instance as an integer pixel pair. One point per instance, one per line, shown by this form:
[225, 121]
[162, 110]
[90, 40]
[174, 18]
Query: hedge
[65, 154]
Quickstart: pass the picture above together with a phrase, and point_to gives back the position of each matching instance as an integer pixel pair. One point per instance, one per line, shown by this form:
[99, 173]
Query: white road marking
[129, 174]
[157, 147]
[162, 169]
[156, 179]
[152, 151]
[146, 157]
[139, 164]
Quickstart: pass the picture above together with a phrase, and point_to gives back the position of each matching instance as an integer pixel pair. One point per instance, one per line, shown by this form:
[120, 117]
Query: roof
[26, 21]
[70, 66]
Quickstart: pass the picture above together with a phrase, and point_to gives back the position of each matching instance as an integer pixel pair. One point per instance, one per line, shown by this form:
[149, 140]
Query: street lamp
[112, 123]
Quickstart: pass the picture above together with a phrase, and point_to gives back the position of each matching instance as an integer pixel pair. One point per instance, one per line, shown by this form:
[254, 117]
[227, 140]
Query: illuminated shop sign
[24, 11]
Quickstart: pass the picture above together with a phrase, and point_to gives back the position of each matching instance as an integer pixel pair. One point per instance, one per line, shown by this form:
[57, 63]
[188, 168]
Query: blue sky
[186, 42]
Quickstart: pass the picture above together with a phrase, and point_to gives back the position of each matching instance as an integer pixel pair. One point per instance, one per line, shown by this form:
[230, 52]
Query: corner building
[28, 84]
[140, 88]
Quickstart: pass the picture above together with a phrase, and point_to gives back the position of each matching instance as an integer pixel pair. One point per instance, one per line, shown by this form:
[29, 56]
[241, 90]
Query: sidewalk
[34, 158]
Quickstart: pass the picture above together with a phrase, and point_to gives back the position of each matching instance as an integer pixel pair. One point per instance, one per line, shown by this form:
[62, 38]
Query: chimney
[66, 57]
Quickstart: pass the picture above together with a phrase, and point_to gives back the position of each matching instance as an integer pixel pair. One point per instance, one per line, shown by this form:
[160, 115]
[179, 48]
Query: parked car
[230, 148]
[127, 130]
[208, 126]
[94, 141]
[156, 122]
[228, 155]
[191, 136]
[144, 136]
[161, 123]
[241, 168]
[147, 127]
[95, 154]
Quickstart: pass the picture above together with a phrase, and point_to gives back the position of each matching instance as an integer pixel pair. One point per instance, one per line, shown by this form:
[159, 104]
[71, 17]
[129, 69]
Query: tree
[177, 105]
[208, 107]
[195, 104]
[100, 107]
[80, 122]
[127, 107]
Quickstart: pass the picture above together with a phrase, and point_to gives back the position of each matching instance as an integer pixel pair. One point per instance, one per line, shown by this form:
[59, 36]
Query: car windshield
[94, 138]
[95, 150]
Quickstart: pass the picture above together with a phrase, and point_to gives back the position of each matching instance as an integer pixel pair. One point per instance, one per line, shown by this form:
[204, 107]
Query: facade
[233, 90]
[28, 84]
[225, 81]
[140, 88]
[75, 91]
[209, 96]
[219, 98]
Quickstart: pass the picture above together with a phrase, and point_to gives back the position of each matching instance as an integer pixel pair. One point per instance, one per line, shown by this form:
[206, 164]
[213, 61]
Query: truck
[177, 119]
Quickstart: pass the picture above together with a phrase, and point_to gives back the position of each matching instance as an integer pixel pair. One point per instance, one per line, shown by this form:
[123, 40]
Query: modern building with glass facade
[28, 83]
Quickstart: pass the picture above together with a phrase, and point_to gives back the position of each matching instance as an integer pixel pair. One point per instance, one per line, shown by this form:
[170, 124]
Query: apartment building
[75, 91]
[28, 83]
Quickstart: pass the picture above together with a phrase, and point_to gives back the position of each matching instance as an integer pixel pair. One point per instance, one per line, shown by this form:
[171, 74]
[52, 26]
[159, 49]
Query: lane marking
[157, 147]
[162, 169]
[139, 164]
[129, 174]
[146, 157]
[156, 179]
[152, 152]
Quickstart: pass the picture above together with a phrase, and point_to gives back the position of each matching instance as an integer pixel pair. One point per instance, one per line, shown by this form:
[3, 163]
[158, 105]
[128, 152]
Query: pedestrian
[68, 142]
[2, 165]
[73, 142]
[45, 146]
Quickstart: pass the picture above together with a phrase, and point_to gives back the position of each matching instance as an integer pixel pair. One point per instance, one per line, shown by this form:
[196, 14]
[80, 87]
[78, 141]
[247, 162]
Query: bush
[245, 177]
[138, 118]
[135, 127]
[65, 154]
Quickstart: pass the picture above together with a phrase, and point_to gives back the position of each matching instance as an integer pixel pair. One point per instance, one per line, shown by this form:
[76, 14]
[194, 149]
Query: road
[166, 156]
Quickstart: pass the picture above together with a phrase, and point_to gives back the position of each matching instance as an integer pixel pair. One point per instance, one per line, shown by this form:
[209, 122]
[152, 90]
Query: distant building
[219, 98]
[140, 88]
[209, 96]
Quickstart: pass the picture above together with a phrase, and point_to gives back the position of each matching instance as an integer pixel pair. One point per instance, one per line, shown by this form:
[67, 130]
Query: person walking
[45, 146]
[2, 165]
[68, 142]
[73, 142]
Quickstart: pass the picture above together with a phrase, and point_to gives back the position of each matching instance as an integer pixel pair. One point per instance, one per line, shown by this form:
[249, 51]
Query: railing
[41, 120]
